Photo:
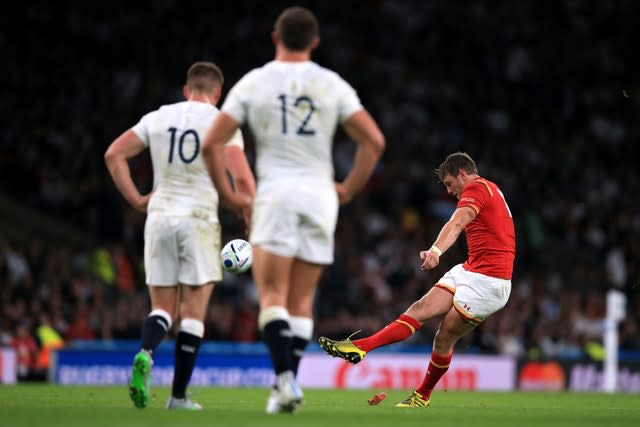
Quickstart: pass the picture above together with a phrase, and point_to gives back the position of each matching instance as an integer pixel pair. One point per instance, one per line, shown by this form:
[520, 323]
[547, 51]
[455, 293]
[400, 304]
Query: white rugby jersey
[174, 135]
[292, 109]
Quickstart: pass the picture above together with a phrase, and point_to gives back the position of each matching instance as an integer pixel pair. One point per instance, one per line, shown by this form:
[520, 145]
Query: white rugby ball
[236, 256]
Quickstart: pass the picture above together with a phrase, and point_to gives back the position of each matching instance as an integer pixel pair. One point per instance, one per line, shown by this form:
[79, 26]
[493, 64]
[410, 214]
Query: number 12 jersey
[292, 109]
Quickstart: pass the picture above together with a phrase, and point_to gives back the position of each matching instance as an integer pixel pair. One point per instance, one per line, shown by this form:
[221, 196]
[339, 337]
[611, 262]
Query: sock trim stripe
[410, 320]
[192, 326]
[413, 330]
[439, 366]
[162, 314]
[269, 314]
[301, 326]
[163, 323]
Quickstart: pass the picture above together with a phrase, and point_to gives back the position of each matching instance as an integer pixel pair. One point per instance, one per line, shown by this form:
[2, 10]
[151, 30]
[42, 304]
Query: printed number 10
[181, 141]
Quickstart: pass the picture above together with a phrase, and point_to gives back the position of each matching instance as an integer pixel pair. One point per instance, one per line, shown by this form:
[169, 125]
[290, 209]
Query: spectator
[26, 352]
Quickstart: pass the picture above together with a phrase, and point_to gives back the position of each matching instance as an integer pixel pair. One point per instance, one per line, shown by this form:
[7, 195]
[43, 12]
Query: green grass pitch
[65, 406]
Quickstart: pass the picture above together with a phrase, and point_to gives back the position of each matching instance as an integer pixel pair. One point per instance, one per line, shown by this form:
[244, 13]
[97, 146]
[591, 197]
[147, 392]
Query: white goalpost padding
[616, 311]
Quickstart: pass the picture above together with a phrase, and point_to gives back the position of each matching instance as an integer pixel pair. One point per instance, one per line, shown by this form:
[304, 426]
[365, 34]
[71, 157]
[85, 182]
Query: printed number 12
[299, 102]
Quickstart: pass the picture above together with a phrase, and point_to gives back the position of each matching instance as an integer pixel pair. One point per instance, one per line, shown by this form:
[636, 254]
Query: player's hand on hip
[237, 202]
[344, 195]
[429, 260]
[143, 201]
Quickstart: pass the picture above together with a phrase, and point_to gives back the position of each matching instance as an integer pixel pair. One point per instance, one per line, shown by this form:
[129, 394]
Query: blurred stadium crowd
[541, 94]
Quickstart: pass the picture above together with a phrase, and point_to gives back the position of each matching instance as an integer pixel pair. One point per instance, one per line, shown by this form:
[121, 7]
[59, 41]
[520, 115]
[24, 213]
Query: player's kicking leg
[354, 351]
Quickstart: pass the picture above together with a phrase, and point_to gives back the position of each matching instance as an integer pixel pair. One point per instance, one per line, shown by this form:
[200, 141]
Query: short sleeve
[236, 140]
[348, 100]
[235, 104]
[142, 128]
[474, 196]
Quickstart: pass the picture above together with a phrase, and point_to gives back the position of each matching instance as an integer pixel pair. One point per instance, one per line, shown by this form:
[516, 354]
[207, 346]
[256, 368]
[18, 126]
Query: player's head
[456, 172]
[297, 29]
[204, 79]
[454, 163]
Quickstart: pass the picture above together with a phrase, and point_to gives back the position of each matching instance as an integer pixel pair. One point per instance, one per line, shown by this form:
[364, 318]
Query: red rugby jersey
[491, 237]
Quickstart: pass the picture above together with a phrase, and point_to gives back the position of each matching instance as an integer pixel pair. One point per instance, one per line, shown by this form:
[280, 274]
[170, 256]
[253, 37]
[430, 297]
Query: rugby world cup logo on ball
[236, 256]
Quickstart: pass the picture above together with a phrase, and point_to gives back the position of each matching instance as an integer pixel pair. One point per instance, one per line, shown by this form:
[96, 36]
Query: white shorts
[475, 296]
[181, 249]
[296, 220]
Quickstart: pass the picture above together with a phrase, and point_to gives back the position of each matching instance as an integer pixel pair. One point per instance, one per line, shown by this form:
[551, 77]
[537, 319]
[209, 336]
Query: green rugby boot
[140, 379]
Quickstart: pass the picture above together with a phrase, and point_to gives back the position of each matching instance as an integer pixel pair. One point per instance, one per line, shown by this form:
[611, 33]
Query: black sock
[277, 335]
[187, 346]
[154, 330]
[298, 344]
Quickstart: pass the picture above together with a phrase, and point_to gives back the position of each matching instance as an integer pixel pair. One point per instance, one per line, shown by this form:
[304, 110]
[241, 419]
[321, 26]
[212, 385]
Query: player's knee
[273, 299]
[300, 308]
[444, 341]
[193, 308]
[418, 310]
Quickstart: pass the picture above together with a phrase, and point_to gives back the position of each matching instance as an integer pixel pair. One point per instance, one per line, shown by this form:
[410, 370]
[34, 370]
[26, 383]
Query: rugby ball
[236, 256]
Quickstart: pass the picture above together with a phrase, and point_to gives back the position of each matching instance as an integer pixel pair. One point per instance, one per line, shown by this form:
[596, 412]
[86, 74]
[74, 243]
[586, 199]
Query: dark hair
[204, 76]
[297, 27]
[453, 163]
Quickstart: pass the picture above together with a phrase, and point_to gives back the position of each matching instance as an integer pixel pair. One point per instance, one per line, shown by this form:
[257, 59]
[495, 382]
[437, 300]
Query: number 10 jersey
[174, 135]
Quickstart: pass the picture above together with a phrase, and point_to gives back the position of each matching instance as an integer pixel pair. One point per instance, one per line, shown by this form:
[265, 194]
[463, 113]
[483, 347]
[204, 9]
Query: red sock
[398, 330]
[438, 365]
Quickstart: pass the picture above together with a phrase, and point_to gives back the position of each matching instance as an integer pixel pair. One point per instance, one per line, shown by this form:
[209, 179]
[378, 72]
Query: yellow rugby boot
[344, 349]
[415, 400]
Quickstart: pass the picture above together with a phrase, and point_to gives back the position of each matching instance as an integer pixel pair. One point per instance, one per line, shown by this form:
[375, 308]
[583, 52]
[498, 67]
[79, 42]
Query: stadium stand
[543, 95]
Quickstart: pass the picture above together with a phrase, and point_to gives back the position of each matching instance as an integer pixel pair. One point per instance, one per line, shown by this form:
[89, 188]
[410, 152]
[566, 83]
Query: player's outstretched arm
[448, 235]
[117, 157]
[365, 132]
